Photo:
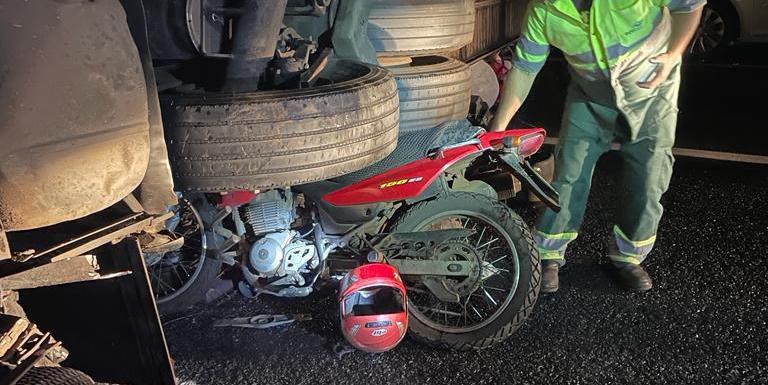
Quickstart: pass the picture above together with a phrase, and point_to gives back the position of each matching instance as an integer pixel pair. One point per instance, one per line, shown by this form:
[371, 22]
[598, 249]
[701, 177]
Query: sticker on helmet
[379, 332]
[377, 324]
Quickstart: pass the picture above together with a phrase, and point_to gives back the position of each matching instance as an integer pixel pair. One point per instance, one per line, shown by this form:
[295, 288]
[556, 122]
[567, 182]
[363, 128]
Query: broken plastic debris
[262, 321]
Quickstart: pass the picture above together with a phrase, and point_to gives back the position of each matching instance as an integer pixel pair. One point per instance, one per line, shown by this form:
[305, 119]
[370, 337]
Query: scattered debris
[262, 321]
[166, 323]
[342, 349]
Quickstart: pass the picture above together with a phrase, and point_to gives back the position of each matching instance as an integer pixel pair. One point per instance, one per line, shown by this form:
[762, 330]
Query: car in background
[725, 22]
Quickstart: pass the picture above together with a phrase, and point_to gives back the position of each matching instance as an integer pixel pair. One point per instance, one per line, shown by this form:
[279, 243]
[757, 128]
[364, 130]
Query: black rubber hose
[254, 42]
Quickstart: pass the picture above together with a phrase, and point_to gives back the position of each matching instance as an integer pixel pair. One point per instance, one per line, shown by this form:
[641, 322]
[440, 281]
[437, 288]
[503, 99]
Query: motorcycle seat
[413, 145]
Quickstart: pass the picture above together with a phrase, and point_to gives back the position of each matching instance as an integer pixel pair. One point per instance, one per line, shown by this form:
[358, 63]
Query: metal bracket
[530, 178]
[5, 247]
[133, 203]
[110, 233]
[75, 269]
[309, 77]
[437, 153]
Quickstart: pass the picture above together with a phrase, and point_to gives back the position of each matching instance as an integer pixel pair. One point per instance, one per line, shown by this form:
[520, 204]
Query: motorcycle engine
[279, 258]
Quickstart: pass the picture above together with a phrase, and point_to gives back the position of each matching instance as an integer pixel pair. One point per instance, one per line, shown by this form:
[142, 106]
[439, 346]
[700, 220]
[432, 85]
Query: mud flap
[350, 32]
[156, 189]
[110, 327]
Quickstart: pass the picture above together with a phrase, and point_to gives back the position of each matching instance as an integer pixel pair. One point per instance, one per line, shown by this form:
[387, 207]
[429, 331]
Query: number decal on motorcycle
[400, 182]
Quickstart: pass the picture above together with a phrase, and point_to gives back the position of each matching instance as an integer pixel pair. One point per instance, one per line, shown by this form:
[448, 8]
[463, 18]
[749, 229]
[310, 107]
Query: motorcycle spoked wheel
[494, 301]
[180, 278]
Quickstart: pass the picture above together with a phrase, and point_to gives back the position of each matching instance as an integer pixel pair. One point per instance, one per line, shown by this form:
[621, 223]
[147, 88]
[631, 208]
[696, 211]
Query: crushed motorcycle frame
[467, 260]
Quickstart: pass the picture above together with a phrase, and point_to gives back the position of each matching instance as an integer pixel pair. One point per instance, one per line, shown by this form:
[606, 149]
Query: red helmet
[374, 315]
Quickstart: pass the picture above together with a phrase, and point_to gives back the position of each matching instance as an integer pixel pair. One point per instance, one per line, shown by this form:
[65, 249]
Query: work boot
[633, 277]
[550, 280]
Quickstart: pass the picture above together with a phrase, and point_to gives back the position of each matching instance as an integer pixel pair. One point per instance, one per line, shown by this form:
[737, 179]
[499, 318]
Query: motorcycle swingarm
[416, 244]
[522, 170]
[420, 245]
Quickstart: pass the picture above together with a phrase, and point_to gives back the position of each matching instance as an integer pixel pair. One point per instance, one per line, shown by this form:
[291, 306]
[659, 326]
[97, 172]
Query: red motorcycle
[468, 261]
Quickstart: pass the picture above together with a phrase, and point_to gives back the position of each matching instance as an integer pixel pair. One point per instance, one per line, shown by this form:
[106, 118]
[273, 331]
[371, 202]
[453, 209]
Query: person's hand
[664, 65]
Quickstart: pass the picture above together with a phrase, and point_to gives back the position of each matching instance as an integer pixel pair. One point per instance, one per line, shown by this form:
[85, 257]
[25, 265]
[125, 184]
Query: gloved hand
[665, 63]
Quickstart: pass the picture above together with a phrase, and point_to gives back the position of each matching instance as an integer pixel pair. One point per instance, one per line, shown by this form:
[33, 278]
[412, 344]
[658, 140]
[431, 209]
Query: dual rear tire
[423, 34]
[421, 27]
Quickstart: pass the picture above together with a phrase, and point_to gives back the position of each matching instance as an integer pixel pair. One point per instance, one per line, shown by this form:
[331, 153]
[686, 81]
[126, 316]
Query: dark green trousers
[646, 136]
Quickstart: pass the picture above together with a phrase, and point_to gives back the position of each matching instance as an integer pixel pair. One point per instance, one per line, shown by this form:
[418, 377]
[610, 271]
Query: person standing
[624, 59]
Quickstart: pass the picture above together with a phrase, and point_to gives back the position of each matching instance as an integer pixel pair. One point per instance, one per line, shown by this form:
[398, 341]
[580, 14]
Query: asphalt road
[706, 320]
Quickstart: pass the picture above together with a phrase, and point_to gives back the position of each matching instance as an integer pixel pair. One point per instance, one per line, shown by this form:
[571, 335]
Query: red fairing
[411, 179]
[237, 198]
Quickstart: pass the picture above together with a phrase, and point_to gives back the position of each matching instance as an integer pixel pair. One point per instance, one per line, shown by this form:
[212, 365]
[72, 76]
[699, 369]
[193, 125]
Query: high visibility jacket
[594, 41]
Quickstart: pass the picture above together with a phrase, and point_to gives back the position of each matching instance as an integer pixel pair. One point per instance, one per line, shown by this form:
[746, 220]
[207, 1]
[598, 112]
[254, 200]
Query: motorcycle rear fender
[412, 179]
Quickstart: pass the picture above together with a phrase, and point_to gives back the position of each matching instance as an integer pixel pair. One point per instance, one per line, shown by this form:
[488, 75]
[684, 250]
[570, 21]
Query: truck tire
[260, 140]
[420, 27]
[433, 90]
[54, 375]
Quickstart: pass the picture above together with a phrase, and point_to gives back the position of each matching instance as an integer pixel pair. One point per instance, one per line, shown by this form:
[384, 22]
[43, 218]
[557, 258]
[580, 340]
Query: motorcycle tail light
[530, 144]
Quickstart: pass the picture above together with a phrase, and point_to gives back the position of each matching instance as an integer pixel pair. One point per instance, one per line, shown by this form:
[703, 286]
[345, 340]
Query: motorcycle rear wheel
[510, 263]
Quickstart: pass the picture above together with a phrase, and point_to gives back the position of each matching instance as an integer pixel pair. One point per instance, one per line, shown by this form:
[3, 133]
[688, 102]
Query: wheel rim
[710, 34]
[174, 272]
[483, 302]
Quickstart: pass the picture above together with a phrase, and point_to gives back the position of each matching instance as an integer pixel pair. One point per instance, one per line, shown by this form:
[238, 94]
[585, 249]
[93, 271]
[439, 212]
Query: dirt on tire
[260, 140]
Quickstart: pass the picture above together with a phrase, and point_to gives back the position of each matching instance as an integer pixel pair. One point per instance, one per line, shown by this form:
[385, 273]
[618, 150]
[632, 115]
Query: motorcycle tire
[260, 140]
[420, 27]
[197, 292]
[433, 90]
[192, 271]
[508, 318]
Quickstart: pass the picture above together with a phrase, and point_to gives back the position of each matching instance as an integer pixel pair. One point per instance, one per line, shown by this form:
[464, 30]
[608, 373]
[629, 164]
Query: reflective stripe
[568, 235]
[531, 47]
[587, 61]
[552, 246]
[584, 58]
[550, 255]
[617, 258]
[625, 238]
[617, 50]
[527, 66]
[685, 5]
[630, 248]
[530, 56]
